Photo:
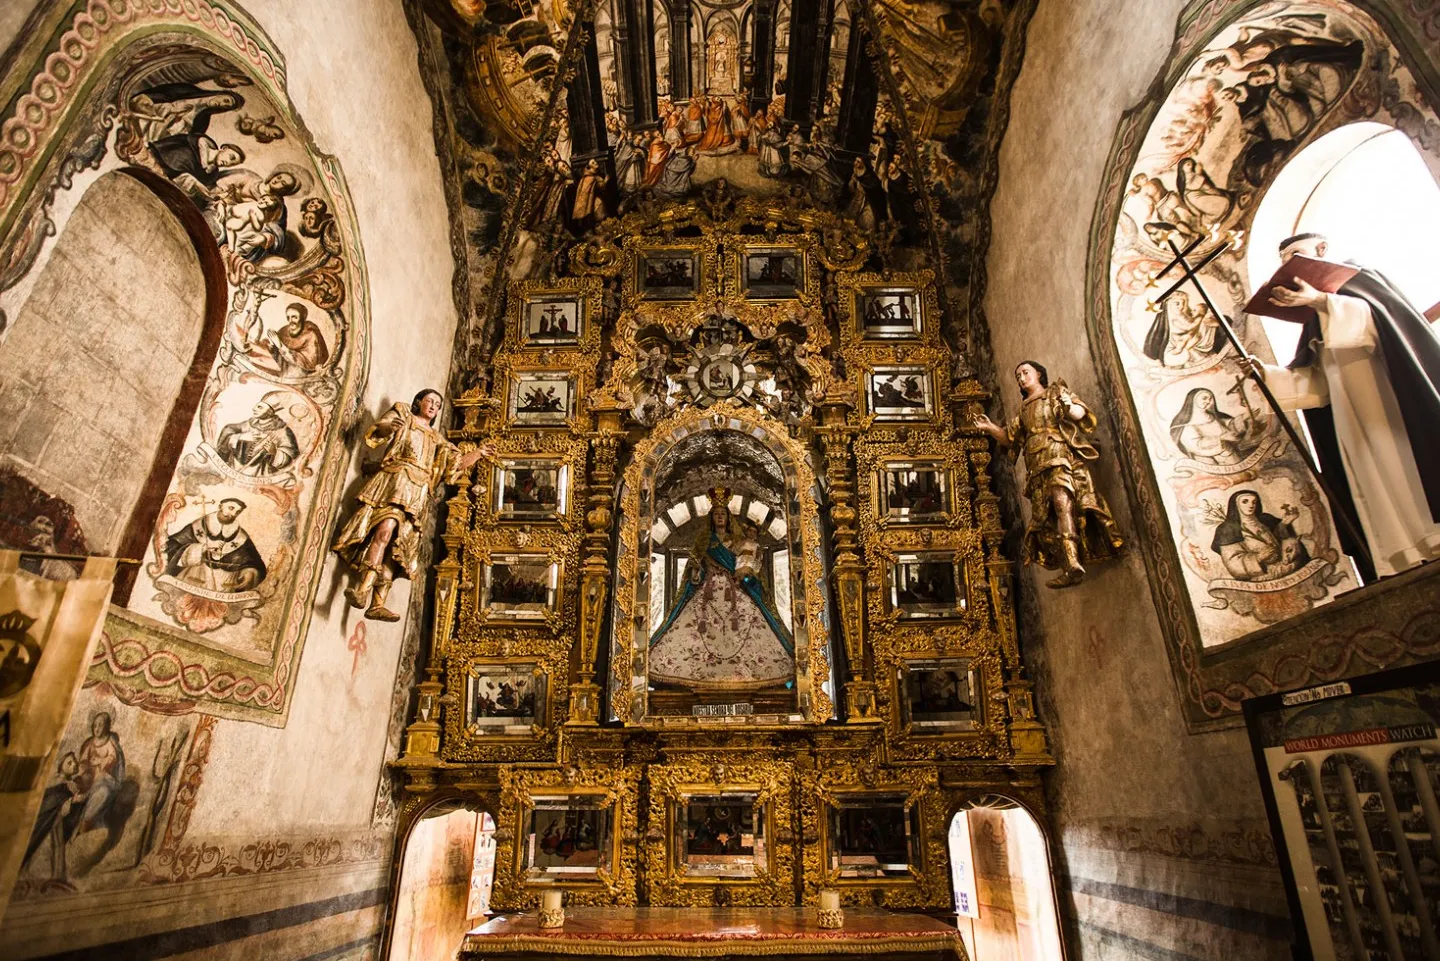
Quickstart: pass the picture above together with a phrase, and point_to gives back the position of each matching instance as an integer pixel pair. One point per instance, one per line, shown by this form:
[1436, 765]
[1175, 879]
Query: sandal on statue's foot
[1067, 578]
[378, 613]
[357, 598]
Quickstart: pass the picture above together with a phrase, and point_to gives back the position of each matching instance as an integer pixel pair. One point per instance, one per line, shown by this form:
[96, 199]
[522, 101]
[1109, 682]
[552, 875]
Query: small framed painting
[772, 273]
[873, 836]
[553, 320]
[927, 585]
[566, 837]
[505, 698]
[520, 587]
[888, 313]
[667, 274]
[542, 398]
[531, 489]
[899, 393]
[939, 696]
[720, 835]
[914, 493]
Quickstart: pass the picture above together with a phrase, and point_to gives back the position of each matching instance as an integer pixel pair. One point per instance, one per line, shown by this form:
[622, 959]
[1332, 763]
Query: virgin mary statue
[722, 634]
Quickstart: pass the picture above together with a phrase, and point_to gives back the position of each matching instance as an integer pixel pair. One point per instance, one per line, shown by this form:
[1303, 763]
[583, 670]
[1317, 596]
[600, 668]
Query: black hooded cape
[1410, 352]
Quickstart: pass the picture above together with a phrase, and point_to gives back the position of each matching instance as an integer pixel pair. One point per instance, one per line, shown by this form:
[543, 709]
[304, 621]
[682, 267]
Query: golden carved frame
[770, 780]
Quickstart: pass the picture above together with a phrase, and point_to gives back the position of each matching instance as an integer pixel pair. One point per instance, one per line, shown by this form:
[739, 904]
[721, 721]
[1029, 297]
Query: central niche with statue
[724, 601]
[722, 540]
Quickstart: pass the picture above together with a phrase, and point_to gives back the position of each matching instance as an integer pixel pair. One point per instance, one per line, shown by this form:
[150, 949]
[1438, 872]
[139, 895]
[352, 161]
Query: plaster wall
[353, 76]
[1161, 834]
[292, 825]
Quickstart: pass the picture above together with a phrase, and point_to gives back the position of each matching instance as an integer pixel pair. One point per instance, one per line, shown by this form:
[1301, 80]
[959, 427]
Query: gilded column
[1027, 734]
[836, 435]
[595, 562]
[420, 758]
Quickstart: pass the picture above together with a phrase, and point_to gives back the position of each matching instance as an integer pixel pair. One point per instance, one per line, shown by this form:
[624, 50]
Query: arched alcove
[275, 347]
[1231, 128]
[1001, 878]
[104, 366]
[443, 886]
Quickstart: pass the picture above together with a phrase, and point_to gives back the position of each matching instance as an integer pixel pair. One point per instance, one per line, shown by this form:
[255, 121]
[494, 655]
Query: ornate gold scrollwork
[869, 406]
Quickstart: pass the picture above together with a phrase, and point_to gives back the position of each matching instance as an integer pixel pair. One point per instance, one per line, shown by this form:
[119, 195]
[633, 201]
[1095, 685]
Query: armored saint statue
[1069, 519]
[381, 539]
[723, 633]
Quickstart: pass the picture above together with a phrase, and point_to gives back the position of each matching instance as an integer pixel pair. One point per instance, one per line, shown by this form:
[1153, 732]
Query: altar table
[728, 933]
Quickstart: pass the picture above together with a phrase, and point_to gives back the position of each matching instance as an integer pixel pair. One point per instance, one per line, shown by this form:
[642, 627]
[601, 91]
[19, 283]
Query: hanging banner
[48, 632]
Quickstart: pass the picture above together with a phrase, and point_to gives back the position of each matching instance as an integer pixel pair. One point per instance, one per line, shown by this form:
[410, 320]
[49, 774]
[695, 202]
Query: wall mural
[109, 799]
[1254, 533]
[223, 593]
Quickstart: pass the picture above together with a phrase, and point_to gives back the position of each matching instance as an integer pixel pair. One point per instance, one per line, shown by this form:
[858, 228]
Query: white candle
[550, 900]
[829, 899]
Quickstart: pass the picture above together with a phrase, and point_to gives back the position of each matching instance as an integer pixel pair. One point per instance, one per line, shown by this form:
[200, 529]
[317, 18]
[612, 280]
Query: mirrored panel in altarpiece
[696, 614]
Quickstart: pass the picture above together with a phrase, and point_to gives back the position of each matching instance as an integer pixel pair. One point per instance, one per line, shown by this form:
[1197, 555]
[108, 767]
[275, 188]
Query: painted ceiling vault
[554, 115]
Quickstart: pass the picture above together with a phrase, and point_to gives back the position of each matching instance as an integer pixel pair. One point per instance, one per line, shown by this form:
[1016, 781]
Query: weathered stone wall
[96, 357]
[1146, 816]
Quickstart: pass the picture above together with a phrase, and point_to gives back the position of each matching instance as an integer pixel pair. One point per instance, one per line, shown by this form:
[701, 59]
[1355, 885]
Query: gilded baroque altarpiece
[724, 620]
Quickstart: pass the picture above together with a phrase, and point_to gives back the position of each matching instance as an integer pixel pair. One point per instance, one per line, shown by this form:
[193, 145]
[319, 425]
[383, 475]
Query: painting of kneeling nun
[1256, 546]
[1208, 435]
[214, 553]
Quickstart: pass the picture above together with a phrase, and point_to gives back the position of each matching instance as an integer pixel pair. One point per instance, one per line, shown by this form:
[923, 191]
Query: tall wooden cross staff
[1190, 275]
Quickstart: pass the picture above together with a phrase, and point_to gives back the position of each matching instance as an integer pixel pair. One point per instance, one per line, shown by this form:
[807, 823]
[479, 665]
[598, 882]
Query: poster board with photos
[1350, 772]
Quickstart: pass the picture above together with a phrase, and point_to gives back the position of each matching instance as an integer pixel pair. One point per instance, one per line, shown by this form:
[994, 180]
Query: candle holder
[830, 915]
[552, 911]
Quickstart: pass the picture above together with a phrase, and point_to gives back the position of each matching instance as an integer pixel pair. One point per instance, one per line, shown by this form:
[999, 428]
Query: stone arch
[129, 86]
[410, 860]
[1190, 163]
[1016, 829]
[51, 364]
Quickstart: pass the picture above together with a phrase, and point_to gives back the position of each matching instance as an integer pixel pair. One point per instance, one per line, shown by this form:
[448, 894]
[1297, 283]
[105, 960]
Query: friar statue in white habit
[1367, 375]
[381, 540]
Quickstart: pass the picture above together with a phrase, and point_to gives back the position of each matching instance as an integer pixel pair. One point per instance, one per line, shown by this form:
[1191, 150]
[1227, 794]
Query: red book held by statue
[1324, 275]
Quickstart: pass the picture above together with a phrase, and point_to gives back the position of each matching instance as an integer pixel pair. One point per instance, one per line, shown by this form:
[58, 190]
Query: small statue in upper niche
[381, 540]
[652, 385]
[1069, 520]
